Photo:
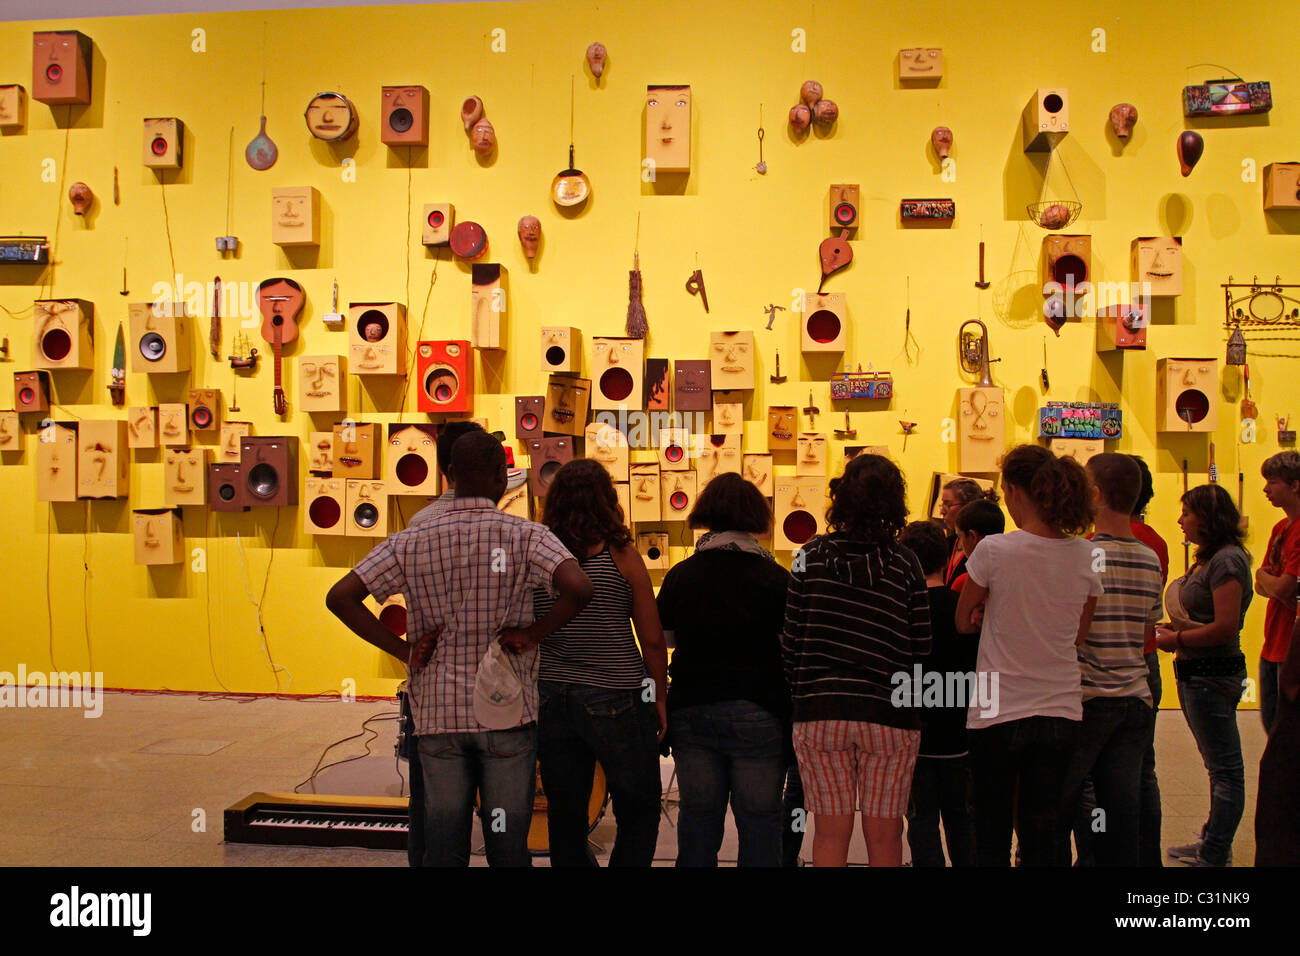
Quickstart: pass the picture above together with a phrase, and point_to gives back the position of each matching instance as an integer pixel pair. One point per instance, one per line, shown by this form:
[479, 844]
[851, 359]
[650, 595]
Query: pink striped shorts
[852, 764]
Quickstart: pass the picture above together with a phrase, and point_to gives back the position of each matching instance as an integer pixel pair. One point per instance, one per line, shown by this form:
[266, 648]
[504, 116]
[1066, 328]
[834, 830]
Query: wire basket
[1037, 210]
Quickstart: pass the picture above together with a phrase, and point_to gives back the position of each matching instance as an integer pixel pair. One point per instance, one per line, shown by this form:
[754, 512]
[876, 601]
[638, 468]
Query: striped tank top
[596, 648]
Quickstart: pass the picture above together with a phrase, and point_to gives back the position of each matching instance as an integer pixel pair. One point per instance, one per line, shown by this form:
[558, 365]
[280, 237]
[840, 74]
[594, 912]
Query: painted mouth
[350, 462]
[782, 435]
[920, 69]
[690, 388]
[318, 394]
[183, 489]
[171, 431]
[562, 415]
[733, 369]
[151, 543]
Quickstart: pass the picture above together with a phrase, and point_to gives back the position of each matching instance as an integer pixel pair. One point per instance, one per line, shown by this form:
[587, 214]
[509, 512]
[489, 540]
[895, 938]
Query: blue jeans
[415, 803]
[1113, 739]
[1019, 767]
[499, 765]
[941, 788]
[732, 749]
[1212, 717]
[1268, 691]
[578, 726]
[1150, 852]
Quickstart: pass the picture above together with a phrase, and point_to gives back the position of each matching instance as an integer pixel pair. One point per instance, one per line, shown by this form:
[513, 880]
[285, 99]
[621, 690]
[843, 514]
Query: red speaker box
[446, 371]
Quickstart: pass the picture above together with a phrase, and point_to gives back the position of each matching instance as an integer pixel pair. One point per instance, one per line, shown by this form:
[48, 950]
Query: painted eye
[681, 102]
[653, 102]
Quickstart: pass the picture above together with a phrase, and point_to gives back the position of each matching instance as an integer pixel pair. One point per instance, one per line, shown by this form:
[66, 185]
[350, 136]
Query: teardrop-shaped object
[1190, 147]
[261, 152]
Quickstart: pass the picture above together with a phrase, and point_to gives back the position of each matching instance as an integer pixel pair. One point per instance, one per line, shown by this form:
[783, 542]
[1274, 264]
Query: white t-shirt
[1037, 588]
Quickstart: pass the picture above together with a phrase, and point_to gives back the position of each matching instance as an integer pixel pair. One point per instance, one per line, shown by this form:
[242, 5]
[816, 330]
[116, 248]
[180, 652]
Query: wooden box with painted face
[1157, 265]
[731, 360]
[64, 331]
[11, 434]
[529, 412]
[320, 453]
[617, 372]
[824, 322]
[546, 456]
[517, 501]
[13, 107]
[173, 424]
[323, 502]
[103, 460]
[185, 476]
[164, 143]
[404, 116]
[356, 450]
[205, 411]
[1187, 394]
[674, 449]
[1045, 120]
[439, 217]
[1067, 261]
[717, 455]
[446, 377]
[1122, 327]
[487, 305]
[56, 462]
[1281, 186]
[561, 349]
[412, 459]
[692, 386]
[61, 67]
[366, 510]
[844, 205]
[653, 548]
[231, 433]
[782, 428]
[567, 402]
[160, 337]
[377, 338]
[623, 493]
[920, 63]
[226, 487]
[321, 385]
[728, 413]
[159, 536]
[607, 445]
[1080, 449]
[668, 128]
[141, 427]
[644, 486]
[757, 470]
[677, 490]
[295, 216]
[799, 511]
[32, 391]
[811, 458]
[269, 465]
[982, 428]
[656, 384]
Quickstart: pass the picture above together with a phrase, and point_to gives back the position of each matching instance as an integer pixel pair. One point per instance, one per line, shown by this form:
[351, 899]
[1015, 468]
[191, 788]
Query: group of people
[949, 673]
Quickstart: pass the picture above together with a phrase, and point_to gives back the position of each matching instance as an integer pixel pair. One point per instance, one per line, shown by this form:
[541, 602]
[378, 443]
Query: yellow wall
[755, 238]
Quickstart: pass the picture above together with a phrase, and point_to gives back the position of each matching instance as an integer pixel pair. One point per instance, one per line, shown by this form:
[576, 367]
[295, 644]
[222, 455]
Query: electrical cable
[275, 668]
[58, 207]
[207, 605]
[365, 730]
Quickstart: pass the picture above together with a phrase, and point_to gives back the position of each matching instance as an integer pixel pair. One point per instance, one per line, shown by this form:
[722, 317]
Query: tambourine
[468, 240]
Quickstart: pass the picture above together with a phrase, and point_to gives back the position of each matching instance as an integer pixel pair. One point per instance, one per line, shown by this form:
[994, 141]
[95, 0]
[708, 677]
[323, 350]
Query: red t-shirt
[1147, 535]
[1282, 557]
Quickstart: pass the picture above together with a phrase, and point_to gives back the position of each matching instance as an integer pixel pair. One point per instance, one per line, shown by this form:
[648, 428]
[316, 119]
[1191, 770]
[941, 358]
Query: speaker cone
[528, 422]
[799, 526]
[678, 500]
[201, 416]
[555, 355]
[412, 470]
[400, 120]
[652, 553]
[616, 384]
[263, 481]
[673, 453]
[152, 346]
[27, 395]
[226, 492]
[844, 213]
[159, 146]
[436, 219]
[441, 384]
[823, 326]
[365, 515]
[324, 512]
[54, 72]
[56, 344]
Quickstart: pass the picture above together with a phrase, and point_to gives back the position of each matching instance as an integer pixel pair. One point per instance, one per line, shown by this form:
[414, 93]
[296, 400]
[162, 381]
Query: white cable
[243, 570]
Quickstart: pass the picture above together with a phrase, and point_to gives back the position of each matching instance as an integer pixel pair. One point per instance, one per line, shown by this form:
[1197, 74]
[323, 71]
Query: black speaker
[153, 347]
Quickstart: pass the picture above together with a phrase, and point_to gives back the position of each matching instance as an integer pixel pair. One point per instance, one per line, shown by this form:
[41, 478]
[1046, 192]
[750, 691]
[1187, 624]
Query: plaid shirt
[472, 570]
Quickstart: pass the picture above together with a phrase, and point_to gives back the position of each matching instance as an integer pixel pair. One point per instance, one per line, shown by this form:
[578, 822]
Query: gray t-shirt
[1197, 596]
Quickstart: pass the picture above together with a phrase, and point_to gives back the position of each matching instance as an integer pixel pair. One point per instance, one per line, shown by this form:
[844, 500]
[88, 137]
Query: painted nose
[797, 500]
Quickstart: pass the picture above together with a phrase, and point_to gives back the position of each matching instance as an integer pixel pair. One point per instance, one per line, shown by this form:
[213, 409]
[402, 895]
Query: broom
[638, 327]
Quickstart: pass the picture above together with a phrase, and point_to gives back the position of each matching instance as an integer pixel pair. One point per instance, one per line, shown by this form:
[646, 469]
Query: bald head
[479, 463]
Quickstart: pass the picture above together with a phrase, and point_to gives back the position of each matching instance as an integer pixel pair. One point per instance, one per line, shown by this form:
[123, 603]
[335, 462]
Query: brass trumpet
[973, 351]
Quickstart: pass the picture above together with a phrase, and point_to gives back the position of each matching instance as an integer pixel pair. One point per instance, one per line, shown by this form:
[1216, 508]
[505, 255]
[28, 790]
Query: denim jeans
[794, 819]
[415, 814]
[1212, 717]
[500, 766]
[578, 726]
[1277, 824]
[732, 749]
[1113, 738]
[1268, 691]
[1150, 852]
[1020, 764]
[941, 789]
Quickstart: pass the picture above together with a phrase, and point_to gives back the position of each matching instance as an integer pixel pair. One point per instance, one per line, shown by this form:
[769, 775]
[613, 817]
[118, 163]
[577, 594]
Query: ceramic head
[530, 234]
[800, 117]
[596, 56]
[471, 111]
[81, 198]
[810, 92]
[941, 140]
[1122, 118]
[484, 137]
[825, 112]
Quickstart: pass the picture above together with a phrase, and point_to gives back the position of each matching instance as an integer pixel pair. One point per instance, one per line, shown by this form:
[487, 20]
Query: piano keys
[302, 819]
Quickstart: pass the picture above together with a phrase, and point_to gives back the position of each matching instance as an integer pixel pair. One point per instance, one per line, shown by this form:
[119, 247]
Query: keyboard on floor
[299, 819]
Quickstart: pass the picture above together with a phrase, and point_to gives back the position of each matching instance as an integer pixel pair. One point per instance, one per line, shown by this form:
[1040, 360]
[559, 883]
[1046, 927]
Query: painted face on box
[731, 360]
[1160, 264]
[330, 117]
[321, 377]
[811, 453]
[920, 62]
[291, 208]
[171, 423]
[691, 388]
[321, 451]
[668, 127]
[781, 426]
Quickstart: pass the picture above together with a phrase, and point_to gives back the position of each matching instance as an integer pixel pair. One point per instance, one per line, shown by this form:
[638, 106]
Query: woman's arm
[1227, 619]
[645, 617]
[972, 596]
[1085, 620]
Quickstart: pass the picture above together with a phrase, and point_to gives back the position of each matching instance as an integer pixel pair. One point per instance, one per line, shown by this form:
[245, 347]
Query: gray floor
[145, 784]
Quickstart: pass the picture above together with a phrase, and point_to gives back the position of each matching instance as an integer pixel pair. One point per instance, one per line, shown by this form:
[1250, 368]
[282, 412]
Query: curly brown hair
[869, 502]
[1058, 488]
[582, 508]
[1217, 518]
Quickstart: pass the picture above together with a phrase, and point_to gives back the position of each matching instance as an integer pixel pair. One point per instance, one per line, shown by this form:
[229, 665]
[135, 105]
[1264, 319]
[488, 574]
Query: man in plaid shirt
[467, 576]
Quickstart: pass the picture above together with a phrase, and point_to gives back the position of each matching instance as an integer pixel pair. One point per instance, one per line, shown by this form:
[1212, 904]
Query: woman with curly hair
[590, 679]
[1041, 588]
[1206, 608]
[857, 614]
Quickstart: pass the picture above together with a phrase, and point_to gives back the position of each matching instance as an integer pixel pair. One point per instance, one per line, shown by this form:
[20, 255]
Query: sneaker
[1200, 860]
[1186, 852]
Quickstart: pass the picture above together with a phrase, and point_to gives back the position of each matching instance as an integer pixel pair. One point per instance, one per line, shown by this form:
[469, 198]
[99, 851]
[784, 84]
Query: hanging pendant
[261, 152]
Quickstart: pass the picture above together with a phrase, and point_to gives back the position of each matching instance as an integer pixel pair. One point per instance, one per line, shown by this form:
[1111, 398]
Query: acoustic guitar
[280, 301]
